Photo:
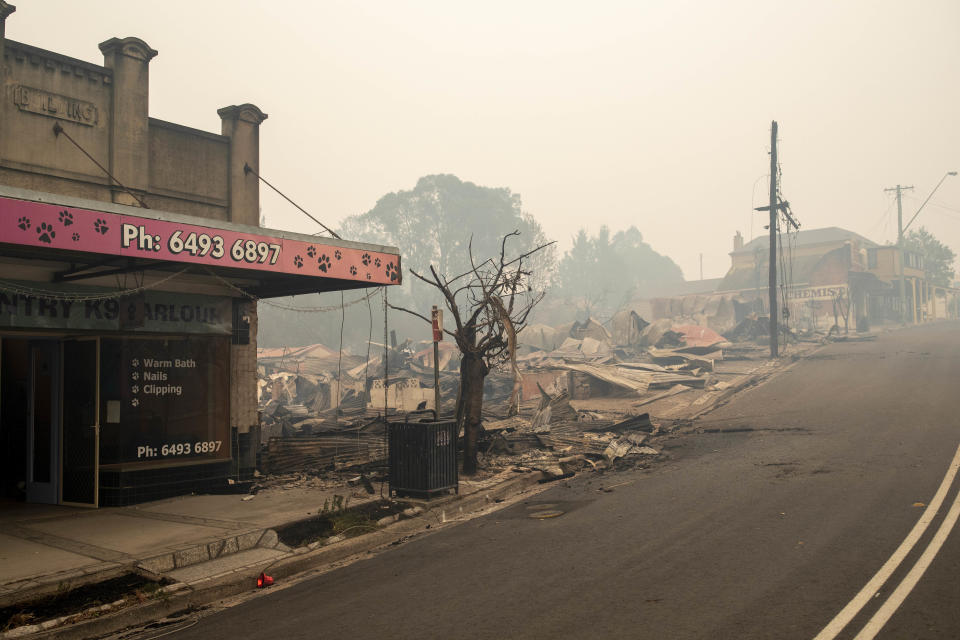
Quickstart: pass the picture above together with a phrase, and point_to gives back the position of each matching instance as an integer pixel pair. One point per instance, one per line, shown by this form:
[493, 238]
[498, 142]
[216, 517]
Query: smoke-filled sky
[652, 113]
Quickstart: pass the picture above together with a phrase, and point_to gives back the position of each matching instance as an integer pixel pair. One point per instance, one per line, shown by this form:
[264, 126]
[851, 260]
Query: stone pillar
[129, 58]
[5, 10]
[913, 295]
[241, 123]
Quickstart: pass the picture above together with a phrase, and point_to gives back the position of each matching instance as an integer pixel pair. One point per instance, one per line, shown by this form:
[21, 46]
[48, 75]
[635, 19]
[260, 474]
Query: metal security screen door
[81, 424]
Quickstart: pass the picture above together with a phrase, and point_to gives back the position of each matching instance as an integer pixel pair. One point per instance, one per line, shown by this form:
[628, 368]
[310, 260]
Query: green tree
[600, 273]
[937, 257]
[436, 222]
[431, 224]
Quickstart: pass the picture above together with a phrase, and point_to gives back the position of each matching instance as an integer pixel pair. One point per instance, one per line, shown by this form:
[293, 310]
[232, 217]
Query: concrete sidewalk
[46, 548]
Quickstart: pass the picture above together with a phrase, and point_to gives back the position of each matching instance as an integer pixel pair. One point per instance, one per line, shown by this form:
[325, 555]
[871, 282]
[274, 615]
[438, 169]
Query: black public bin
[422, 457]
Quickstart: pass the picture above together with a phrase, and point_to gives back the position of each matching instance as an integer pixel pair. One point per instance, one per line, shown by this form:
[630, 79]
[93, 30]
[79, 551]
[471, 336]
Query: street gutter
[182, 597]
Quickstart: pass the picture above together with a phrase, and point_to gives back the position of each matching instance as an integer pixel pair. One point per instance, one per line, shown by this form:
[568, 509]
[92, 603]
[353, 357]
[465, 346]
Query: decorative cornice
[131, 47]
[25, 53]
[6, 9]
[246, 112]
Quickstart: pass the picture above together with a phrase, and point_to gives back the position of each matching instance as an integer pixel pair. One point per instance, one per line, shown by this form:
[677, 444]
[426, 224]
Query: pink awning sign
[39, 224]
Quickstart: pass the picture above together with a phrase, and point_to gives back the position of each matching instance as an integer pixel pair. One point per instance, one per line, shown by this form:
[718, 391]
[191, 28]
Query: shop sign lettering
[54, 105]
[155, 311]
[55, 227]
[829, 292]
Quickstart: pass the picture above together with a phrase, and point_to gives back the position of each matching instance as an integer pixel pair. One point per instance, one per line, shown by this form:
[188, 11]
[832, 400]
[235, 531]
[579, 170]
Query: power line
[249, 295]
[884, 217]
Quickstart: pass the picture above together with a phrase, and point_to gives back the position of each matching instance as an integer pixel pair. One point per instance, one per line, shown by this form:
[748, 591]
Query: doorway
[14, 416]
[49, 422]
[43, 423]
[81, 424]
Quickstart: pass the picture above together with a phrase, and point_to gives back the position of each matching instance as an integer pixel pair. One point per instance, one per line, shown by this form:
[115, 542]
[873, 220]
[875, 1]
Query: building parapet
[24, 53]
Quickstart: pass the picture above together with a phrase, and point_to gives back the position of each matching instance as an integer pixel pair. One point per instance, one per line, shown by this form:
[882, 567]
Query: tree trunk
[473, 372]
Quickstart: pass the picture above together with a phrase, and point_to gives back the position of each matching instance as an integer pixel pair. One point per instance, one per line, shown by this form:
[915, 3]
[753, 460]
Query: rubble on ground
[586, 390]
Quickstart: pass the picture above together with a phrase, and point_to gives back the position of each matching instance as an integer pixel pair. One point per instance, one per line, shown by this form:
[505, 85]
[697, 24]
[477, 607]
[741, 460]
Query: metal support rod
[131, 268]
[248, 169]
[58, 131]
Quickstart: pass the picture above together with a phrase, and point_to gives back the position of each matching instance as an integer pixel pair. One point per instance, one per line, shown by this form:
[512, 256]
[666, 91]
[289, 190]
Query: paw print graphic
[100, 226]
[312, 252]
[135, 402]
[66, 218]
[135, 389]
[337, 254]
[323, 262]
[23, 223]
[392, 272]
[75, 237]
[135, 362]
[353, 270]
[365, 259]
[298, 261]
[377, 262]
[46, 233]
[135, 375]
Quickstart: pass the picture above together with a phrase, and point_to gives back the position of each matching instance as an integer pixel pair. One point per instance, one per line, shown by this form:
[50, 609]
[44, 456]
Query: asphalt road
[763, 526]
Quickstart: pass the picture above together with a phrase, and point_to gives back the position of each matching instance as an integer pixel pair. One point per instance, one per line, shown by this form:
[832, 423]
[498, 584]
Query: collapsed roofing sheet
[697, 336]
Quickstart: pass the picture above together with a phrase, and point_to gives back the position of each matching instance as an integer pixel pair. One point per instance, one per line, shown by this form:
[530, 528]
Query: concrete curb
[198, 594]
[775, 368]
[152, 567]
[195, 554]
[29, 589]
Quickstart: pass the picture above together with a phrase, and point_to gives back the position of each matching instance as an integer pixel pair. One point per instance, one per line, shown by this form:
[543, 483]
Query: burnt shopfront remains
[128, 315]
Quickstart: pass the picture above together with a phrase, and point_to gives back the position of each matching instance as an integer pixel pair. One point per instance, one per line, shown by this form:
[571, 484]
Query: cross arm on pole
[783, 206]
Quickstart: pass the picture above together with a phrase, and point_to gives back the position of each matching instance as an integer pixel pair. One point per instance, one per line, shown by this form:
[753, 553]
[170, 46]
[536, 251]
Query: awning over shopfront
[98, 239]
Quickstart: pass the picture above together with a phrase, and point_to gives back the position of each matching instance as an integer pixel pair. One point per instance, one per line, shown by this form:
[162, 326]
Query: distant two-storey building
[825, 276]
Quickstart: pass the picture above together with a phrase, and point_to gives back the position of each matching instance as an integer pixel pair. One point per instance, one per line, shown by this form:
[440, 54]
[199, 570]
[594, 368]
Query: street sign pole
[436, 317]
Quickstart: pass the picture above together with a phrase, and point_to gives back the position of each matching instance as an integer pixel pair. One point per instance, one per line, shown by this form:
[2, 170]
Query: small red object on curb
[263, 580]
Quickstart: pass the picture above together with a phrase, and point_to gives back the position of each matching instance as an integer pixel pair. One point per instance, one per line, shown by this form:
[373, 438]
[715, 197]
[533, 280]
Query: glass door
[43, 447]
[81, 422]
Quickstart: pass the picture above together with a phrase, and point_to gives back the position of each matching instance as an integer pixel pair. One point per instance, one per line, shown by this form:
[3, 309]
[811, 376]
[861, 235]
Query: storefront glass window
[164, 399]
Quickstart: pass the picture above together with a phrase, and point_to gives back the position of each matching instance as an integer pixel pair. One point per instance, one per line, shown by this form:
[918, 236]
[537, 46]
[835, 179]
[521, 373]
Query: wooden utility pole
[774, 215]
[775, 207]
[903, 289]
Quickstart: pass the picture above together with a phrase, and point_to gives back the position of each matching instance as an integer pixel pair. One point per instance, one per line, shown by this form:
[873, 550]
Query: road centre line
[835, 626]
[880, 618]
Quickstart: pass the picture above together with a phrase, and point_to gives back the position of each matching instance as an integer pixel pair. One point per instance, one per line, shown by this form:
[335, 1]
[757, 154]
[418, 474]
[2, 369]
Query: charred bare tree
[490, 305]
